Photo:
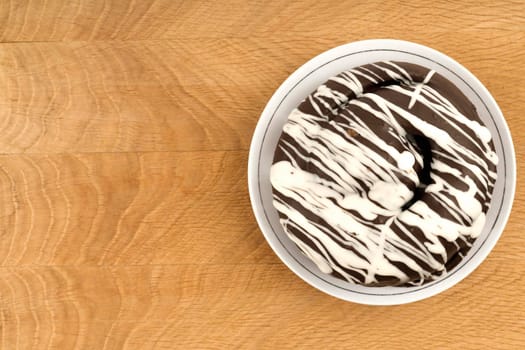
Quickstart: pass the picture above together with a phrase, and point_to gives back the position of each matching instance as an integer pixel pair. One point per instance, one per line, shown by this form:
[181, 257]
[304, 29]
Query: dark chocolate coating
[382, 176]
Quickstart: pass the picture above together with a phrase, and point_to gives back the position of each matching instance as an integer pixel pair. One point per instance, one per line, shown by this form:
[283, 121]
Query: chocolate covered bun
[384, 174]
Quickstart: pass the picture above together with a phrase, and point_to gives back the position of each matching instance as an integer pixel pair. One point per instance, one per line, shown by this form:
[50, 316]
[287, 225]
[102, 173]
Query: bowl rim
[256, 149]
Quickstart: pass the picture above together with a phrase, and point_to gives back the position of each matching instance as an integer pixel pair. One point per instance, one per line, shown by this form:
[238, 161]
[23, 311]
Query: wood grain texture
[56, 20]
[125, 218]
[217, 306]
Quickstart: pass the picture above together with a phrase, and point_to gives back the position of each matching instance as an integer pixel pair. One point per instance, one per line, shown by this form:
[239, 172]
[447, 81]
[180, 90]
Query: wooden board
[125, 216]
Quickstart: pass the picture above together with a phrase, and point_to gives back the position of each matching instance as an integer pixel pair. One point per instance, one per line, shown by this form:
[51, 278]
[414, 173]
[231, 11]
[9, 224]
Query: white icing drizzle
[418, 88]
[369, 179]
[406, 160]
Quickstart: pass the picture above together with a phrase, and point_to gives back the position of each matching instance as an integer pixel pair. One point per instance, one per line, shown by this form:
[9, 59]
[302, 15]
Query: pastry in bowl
[383, 175]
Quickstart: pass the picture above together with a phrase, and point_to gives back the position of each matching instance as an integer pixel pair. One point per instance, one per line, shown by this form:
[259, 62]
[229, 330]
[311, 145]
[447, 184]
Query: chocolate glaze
[383, 175]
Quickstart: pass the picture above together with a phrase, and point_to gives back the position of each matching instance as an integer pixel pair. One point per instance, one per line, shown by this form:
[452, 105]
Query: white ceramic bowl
[305, 80]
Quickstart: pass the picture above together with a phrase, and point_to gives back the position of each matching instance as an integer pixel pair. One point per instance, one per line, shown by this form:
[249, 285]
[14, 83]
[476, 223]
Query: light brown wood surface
[125, 216]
